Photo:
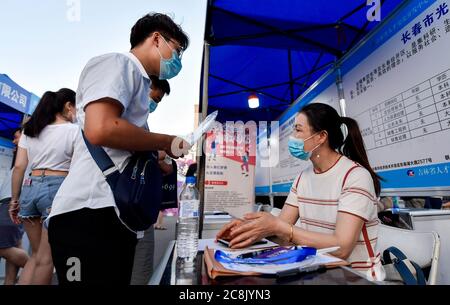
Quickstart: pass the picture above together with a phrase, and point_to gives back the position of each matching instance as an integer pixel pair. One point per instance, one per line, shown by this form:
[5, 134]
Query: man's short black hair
[156, 22]
[160, 84]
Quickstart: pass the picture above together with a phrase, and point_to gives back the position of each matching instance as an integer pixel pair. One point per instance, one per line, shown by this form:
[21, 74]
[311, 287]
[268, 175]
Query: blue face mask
[169, 68]
[297, 148]
[152, 105]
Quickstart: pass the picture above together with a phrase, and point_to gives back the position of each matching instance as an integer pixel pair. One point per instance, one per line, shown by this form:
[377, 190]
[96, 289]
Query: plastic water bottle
[188, 221]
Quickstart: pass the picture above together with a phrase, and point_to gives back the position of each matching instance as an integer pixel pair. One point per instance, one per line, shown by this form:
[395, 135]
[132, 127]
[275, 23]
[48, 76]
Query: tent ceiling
[277, 48]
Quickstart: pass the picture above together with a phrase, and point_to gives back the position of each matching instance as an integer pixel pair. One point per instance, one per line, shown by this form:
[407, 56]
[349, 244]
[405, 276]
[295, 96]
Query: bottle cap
[191, 180]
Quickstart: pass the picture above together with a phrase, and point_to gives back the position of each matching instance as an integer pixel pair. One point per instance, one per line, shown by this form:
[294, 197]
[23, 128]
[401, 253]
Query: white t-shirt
[52, 149]
[347, 187]
[119, 76]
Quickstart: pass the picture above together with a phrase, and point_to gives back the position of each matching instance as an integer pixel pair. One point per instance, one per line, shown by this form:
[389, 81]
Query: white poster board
[262, 172]
[230, 170]
[400, 96]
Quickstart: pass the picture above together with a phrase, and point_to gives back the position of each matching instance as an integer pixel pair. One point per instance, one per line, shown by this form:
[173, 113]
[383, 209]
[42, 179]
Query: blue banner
[13, 95]
[436, 175]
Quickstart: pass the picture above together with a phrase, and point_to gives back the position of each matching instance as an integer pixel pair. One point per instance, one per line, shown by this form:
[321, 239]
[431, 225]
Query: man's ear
[156, 38]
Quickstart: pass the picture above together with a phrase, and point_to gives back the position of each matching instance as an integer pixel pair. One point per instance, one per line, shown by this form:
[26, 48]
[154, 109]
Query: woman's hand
[13, 210]
[225, 232]
[255, 227]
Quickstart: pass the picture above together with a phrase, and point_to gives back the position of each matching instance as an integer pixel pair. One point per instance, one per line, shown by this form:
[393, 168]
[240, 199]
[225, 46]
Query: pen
[262, 251]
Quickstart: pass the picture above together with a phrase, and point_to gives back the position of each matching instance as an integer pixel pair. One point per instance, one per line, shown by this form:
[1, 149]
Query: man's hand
[161, 155]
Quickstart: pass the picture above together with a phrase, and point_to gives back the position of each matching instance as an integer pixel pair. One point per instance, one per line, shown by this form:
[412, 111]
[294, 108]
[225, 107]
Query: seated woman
[335, 196]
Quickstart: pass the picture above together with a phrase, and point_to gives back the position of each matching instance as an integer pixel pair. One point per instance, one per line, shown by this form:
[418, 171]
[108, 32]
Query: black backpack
[137, 190]
[169, 189]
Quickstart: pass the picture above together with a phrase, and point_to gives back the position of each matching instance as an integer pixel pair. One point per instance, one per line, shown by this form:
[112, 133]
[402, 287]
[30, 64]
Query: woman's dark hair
[322, 117]
[156, 22]
[13, 163]
[50, 104]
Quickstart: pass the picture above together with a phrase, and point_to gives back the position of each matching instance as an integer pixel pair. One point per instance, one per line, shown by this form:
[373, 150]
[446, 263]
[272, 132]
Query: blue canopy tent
[15, 101]
[10, 119]
[276, 49]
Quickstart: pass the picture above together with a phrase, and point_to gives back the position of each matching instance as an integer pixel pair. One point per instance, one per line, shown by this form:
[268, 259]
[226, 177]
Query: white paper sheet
[202, 129]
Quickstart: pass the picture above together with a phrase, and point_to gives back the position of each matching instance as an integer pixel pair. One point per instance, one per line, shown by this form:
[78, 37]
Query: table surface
[173, 272]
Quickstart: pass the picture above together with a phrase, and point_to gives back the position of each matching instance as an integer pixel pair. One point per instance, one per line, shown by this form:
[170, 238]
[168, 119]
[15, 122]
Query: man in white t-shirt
[145, 248]
[90, 244]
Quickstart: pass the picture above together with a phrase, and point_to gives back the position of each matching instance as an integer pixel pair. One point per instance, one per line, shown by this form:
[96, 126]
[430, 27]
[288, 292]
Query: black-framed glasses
[179, 50]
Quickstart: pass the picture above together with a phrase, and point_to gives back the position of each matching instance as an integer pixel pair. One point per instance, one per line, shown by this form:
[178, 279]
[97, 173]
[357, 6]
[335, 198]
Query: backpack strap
[104, 162]
[402, 268]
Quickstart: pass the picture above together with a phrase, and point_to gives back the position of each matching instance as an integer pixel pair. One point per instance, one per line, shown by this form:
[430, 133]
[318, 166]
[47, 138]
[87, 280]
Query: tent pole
[341, 95]
[200, 153]
[291, 83]
[340, 88]
[269, 144]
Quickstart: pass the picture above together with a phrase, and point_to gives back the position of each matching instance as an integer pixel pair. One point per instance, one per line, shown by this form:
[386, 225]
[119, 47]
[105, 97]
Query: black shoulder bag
[137, 190]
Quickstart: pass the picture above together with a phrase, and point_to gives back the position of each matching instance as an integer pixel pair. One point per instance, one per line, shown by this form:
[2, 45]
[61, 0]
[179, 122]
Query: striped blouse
[346, 187]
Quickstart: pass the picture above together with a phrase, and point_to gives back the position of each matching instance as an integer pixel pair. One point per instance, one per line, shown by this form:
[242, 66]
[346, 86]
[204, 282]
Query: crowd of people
[60, 197]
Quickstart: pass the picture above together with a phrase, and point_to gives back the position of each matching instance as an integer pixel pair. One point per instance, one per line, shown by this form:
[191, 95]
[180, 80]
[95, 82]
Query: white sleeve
[358, 195]
[110, 76]
[292, 197]
[75, 132]
[23, 143]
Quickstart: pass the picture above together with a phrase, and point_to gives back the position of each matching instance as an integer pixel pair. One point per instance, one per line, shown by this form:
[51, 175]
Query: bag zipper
[143, 172]
[135, 168]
